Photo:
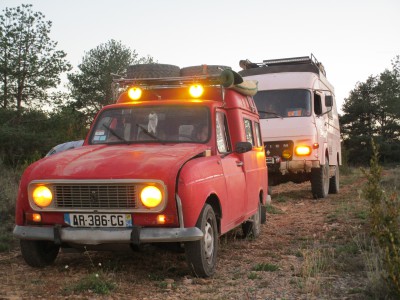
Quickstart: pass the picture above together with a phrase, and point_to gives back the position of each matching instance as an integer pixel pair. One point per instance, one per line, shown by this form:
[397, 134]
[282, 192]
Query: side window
[330, 115]
[258, 134]
[223, 140]
[248, 129]
[317, 104]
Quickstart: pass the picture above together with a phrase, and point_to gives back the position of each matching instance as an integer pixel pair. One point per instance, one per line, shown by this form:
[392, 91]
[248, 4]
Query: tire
[252, 228]
[320, 180]
[203, 70]
[263, 214]
[39, 254]
[264, 207]
[152, 71]
[334, 182]
[202, 255]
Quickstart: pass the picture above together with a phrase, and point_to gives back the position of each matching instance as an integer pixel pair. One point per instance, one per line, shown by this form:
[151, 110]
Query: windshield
[283, 103]
[152, 124]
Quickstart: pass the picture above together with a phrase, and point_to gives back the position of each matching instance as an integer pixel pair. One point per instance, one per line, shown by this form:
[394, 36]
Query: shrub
[385, 222]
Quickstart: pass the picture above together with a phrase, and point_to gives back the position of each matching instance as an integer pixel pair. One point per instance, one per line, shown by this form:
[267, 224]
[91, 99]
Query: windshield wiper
[148, 133]
[270, 112]
[114, 133]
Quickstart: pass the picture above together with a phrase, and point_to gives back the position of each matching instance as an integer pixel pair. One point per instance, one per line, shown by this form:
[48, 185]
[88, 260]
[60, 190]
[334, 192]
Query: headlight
[151, 196]
[303, 150]
[42, 196]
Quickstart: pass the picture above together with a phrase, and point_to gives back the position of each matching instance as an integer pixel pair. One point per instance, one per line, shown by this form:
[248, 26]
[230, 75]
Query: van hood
[287, 128]
[116, 162]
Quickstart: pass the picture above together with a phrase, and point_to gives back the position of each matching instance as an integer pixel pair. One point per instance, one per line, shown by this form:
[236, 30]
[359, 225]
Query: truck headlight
[42, 196]
[151, 196]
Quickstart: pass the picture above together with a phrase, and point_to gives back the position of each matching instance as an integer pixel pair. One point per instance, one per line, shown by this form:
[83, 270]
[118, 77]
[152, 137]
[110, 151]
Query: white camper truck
[300, 125]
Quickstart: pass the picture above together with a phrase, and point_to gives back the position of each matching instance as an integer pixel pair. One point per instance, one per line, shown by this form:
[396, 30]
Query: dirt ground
[306, 251]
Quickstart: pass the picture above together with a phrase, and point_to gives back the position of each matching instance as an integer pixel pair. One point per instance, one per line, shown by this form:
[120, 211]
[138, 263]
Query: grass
[266, 267]
[95, 283]
[274, 210]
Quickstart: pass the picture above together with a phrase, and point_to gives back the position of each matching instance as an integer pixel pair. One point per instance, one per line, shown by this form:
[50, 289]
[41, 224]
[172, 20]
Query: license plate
[98, 220]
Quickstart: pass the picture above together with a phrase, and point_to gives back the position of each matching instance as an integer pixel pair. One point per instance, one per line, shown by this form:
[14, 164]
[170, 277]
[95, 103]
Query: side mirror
[328, 101]
[243, 147]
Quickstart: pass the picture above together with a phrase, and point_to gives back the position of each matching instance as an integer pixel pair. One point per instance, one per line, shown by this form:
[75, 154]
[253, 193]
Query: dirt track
[301, 239]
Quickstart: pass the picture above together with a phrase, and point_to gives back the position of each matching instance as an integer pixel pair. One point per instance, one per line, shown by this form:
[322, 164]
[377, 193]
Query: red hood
[116, 161]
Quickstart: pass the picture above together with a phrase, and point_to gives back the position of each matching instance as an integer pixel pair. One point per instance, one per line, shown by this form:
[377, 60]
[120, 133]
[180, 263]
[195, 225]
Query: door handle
[239, 163]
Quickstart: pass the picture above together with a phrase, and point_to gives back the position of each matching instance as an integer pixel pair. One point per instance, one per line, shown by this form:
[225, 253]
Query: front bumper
[96, 236]
[293, 166]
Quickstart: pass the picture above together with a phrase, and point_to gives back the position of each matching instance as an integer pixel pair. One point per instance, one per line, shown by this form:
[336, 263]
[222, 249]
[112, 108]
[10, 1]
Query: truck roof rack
[290, 64]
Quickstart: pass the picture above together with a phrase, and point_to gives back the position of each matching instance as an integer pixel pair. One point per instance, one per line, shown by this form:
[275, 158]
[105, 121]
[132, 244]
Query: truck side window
[248, 129]
[317, 104]
[223, 140]
[258, 134]
[330, 115]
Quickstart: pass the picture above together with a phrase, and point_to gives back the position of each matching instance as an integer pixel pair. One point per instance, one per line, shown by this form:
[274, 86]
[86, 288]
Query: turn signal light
[135, 93]
[196, 90]
[286, 154]
[303, 150]
[165, 219]
[33, 217]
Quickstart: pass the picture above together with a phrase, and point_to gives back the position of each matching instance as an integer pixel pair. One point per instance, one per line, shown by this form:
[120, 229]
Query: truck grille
[276, 148]
[115, 196]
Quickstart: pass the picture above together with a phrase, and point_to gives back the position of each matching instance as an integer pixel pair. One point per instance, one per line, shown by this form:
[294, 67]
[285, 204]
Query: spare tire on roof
[152, 71]
[203, 70]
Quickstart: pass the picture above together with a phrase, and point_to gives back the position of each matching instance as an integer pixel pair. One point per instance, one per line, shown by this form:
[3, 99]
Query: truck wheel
[334, 182]
[203, 70]
[202, 255]
[152, 71]
[320, 180]
[39, 254]
[253, 227]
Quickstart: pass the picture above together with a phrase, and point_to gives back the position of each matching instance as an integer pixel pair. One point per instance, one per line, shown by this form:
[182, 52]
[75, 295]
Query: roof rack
[170, 81]
[309, 60]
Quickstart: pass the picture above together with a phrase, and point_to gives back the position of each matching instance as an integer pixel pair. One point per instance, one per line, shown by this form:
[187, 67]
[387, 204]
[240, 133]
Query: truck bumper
[96, 236]
[293, 166]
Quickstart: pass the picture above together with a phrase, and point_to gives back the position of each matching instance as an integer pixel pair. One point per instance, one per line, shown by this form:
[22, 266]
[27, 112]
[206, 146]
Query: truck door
[233, 209]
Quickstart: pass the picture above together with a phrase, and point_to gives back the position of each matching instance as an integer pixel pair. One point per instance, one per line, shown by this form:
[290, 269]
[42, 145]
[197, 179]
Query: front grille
[95, 196]
[276, 148]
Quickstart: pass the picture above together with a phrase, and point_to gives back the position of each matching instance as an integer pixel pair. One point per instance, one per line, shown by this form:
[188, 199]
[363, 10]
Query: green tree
[373, 110]
[91, 86]
[30, 63]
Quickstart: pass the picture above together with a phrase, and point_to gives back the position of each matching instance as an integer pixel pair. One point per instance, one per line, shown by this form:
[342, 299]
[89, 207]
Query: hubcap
[208, 241]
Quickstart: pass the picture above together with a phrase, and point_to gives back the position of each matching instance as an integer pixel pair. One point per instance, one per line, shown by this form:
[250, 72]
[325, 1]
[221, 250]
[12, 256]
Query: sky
[354, 39]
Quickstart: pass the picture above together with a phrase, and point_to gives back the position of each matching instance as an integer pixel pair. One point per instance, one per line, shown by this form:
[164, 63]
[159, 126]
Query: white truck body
[297, 109]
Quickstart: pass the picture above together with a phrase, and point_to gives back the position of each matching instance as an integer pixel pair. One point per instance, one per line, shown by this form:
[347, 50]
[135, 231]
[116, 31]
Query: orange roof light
[135, 93]
[196, 90]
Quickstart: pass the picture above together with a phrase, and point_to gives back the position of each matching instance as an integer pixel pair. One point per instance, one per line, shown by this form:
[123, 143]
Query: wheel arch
[215, 203]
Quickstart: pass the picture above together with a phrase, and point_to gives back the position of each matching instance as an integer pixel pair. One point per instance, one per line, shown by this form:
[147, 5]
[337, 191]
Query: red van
[174, 160]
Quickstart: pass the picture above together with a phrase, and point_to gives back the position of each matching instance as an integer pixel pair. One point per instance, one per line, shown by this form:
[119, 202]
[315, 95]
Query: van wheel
[152, 71]
[334, 182]
[202, 255]
[253, 227]
[320, 180]
[39, 254]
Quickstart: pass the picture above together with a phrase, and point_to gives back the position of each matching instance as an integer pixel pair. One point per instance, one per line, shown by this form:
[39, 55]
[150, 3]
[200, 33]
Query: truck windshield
[177, 124]
[283, 103]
